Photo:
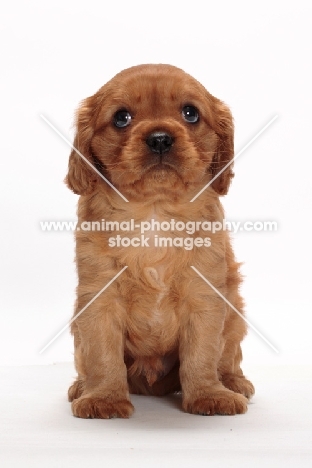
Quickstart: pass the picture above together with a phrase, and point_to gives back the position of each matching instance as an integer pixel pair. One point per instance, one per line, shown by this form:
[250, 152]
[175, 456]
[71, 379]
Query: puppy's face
[152, 129]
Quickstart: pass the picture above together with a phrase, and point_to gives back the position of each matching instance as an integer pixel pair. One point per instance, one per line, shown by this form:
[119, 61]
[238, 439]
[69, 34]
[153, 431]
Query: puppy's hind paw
[75, 390]
[102, 408]
[238, 384]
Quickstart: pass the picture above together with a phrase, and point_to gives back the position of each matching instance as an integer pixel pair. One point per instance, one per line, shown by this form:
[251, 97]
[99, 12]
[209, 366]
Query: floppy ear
[224, 128]
[81, 178]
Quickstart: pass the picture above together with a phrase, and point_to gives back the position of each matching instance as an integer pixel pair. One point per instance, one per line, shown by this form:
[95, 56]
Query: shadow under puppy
[159, 137]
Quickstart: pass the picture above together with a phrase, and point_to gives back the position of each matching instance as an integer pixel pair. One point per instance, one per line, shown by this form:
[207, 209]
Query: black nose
[159, 142]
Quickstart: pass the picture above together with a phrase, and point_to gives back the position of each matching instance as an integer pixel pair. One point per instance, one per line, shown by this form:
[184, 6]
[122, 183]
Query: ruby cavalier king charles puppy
[157, 137]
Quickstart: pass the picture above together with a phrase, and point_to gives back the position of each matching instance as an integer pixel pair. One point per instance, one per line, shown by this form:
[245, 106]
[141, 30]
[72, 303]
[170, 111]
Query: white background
[254, 56]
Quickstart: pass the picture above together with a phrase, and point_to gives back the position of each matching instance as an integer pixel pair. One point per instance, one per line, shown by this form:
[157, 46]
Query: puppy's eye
[190, 114]
[122, 118]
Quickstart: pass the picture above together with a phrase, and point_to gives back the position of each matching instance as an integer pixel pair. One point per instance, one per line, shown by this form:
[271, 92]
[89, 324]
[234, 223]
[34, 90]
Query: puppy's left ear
[224, 128]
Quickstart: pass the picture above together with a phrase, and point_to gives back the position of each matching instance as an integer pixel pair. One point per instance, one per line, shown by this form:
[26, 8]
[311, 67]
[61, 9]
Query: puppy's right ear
[81, 178]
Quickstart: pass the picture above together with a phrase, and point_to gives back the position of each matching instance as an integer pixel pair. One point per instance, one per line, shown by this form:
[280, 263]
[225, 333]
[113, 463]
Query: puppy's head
[152, 129]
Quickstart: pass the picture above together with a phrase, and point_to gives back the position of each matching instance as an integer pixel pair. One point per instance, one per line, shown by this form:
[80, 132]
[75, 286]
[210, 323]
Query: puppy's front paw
[103, 408]
[238, 384]
[219, 402]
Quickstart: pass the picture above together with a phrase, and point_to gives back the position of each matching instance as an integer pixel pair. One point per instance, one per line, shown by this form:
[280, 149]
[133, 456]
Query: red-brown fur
[158, 328]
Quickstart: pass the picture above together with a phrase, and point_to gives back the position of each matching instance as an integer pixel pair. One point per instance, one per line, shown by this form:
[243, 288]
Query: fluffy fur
[159, 328]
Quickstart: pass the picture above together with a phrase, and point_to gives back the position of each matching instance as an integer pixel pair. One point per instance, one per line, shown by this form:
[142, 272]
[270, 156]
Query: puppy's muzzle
[159, 142]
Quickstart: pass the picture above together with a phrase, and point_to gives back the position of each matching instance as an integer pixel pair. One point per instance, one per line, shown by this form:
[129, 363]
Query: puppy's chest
[152, 321]
[153, 299]
[154, 267]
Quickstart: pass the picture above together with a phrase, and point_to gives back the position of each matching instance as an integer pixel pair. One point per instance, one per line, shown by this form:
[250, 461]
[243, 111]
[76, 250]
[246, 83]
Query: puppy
[158, 137]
